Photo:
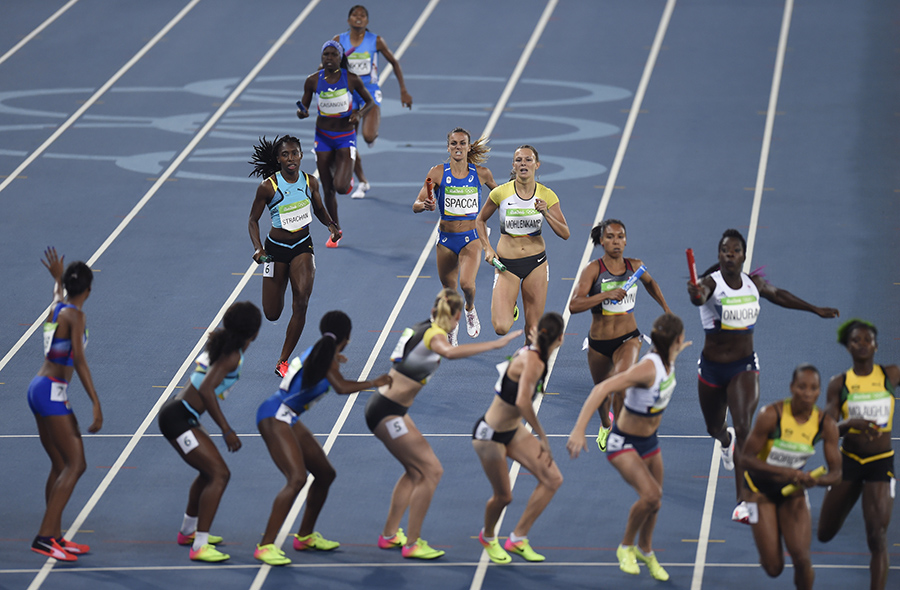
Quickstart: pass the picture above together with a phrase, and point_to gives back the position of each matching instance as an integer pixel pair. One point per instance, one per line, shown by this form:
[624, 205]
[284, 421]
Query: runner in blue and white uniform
[457, 195]
[614, 341]
[65, 337]
[217, 370]
[293, 447]
[416, 357]
[524, 205]
[362, 48]
[728, 372]
[633, 446]
[291, 197]
[335, 148]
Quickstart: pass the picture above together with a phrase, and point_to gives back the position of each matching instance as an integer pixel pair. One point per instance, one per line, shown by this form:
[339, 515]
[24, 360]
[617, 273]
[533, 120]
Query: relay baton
[498, 265]
[815, 473]
[429, 187]
[692, 266]
[301, 107]
[634, 278]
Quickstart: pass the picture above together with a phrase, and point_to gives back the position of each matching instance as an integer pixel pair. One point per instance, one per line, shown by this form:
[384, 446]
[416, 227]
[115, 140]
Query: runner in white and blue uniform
[457, 195]
[292, 198]
[728, 375]
[65, 338]
[293, 447]
[361, 48]
[633, 446]
[336, 122]
[614, 341]
[217, 370]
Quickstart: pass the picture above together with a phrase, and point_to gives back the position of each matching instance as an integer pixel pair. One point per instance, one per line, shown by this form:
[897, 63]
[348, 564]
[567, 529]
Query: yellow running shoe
[421, 550]
[314, 541]
[271, 555]
[524, 549]
[209, 554]
[627, 560]
[652, 564]
[398, 540]
[601, 438]
[494, 550]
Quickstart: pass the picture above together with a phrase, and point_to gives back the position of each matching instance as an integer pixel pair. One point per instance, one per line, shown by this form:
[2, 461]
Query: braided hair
[265, 155]
[478, 151]
[335, 328]
[241, 322]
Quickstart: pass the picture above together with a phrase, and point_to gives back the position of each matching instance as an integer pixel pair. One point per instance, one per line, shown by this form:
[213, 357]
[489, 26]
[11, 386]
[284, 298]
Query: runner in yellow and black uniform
[862, 398]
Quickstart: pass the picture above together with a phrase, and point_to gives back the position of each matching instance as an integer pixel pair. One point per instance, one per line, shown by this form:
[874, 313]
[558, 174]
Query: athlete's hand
[615, 294]
[341, 358]
[232, 441]
[827, 312]
[258, 254]
[405, 99]
[575, 444]
[489, 255]
[429, 203]
[383, 381]
[302, 114]
[336, 232]
[504, 340]
[53, 263]
[541, 206]
[97, 424]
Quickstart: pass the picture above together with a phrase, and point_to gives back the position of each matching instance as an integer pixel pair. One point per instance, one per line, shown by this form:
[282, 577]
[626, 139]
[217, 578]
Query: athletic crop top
[650, 401]
[291, 207]
[363, 58]
[606, 281]
[518, 217]
[730, 309]
[224, 388]
[291, 390]
[59, 350]
[413, 356]
[459, 198]
[870, 397]
[506, 388]
[334, 101]
[791, 444]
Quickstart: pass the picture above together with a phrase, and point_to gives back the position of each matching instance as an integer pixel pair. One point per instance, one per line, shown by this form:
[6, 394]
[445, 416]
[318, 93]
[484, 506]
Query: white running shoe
[728, 454]
[453, 336]
[473, 326]
[360, 191]
[746, 513]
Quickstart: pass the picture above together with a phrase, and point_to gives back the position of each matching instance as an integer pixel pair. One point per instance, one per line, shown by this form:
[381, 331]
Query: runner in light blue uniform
[361, 49]
[293, 447]
[457, 195]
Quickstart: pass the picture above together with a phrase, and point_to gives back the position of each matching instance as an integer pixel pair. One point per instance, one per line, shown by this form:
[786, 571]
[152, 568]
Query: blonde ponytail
[447, 304]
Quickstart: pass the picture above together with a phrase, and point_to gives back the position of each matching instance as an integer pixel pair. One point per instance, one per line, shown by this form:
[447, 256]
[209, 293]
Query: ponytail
[550, 328]
[240, 323]
[447, 304]
[335, 328]
[666, 330]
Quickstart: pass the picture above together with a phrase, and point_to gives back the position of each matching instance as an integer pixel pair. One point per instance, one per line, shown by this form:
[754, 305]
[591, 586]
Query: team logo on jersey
[448, 180]
[471, 178]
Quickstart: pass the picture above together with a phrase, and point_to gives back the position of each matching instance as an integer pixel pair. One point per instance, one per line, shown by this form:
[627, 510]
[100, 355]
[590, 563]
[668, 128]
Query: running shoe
[728, 454]
[360, 191]
[601, 438]
[189, 539]
[49, 547]
[72, 547]
[281, 368]
[523, 548]
[516, 312]
[421, 550]
[314, 541]
[270, 554]
[494, 550]
[628, 560]
[398, 540]
[209, 554]
[746, 513]
[473, 326]
[652, 564]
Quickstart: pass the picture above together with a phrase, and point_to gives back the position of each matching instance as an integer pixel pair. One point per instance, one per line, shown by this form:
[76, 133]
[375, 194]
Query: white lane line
[37, 31]
[176, 162]
[139, 433]
[712, 482]
[96, 96]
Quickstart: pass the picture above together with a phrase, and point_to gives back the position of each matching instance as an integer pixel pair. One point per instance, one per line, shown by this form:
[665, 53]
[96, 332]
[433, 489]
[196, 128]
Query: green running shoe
[314, 541]
[601, 438]
[524, 549]
[421, 550]
[494, 550]
[271, 555]
[627, 560]
[652, 564]
[209, 554]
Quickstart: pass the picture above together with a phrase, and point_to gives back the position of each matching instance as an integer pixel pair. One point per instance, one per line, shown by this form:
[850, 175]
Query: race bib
[360, 63]
[615, 443]
[461, 201]
[286, 415]
[58, 392]
[334, 103]
[396, 427]
[295, 216]
[187, 442]
[483, 431]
